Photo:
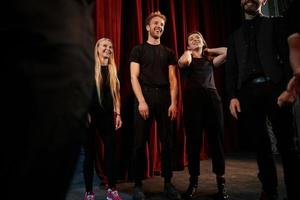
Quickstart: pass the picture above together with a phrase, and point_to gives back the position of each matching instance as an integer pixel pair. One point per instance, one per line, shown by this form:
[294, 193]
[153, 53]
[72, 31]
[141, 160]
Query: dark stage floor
[242, 183]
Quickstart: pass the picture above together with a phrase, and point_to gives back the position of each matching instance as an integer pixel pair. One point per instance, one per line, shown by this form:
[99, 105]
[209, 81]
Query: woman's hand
[118, 122]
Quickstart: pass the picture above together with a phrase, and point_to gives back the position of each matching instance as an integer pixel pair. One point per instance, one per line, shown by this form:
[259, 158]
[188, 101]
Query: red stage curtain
[123, 22]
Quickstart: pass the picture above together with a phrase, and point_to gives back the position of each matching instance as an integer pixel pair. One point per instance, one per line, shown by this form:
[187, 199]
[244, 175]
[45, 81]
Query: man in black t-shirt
[154, 82]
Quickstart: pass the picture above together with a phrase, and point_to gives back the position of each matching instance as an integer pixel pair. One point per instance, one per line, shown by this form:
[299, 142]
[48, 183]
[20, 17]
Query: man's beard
[249, 11]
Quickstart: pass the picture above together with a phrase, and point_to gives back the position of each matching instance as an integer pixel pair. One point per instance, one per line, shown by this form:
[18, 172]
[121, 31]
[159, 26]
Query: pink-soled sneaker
[112, 195]
[89, 196]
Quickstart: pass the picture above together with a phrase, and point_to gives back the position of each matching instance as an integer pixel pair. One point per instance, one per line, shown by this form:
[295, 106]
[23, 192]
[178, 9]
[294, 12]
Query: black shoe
[170, 192]
[221, 196]
[222, 193]
[267, 196]
[138, 193]
[190, 192]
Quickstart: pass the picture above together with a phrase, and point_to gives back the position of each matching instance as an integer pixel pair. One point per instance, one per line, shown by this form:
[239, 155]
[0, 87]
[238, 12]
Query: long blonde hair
[112, 75]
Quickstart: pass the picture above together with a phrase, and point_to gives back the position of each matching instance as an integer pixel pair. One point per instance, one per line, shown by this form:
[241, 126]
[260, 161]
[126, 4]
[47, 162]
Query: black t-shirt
[199, 74]
[106, 105]
[154, 63]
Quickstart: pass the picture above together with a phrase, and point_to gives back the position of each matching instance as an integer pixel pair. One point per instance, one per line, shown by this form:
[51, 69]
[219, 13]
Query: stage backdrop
[123, 22]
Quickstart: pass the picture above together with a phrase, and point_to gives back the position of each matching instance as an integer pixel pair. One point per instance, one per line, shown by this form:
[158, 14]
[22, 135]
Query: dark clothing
[258, 100]
[270, 59]
[199, 74]
[46, 82]
[292, 17]
[202, 109]
[102, 123]
[104, 104]
[154, 63]
[253, 67]
[158, 100]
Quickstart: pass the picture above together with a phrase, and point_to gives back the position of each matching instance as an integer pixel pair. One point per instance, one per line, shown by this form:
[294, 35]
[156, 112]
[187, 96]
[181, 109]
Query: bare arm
[294, 46]
[219, 55]
[118, 120]
[134, 73]
[172, 112]
[185, 59]
[293, 88]
[117, 108]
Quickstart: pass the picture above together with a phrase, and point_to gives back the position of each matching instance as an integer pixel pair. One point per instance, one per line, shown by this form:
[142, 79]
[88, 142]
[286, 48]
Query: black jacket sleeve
[231, 69]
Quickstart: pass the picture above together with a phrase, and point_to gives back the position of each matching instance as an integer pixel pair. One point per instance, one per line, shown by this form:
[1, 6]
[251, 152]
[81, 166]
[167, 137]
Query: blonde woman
[105, 119]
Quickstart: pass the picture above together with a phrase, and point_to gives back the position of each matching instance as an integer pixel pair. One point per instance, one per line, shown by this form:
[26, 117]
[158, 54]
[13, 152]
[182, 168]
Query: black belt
[261, 79]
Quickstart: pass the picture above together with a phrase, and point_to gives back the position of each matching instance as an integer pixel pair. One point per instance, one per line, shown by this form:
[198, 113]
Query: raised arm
[219, 55]
[185, 59]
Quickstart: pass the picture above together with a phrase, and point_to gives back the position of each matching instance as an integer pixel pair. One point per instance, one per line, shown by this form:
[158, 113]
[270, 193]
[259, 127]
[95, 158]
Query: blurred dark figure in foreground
[46, 84]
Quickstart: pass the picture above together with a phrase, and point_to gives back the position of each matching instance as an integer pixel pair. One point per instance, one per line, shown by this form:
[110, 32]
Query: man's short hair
[155, 14]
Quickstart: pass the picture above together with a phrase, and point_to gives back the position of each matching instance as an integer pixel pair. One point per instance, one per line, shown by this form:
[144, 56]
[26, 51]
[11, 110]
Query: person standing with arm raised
[202, 108]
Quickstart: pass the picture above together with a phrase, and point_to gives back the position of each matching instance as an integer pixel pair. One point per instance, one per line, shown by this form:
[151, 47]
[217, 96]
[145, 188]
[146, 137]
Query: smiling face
[252, 7]
[105, 49]
[195, 41]
[156, 27]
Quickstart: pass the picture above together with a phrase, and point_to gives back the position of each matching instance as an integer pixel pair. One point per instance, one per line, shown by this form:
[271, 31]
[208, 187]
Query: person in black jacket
[46, 82]
[256, 75]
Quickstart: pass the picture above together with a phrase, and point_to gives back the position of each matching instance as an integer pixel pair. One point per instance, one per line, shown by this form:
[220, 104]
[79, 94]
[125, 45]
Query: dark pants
[259, 101]
[202, 108]
[103, 125]
[158, 100]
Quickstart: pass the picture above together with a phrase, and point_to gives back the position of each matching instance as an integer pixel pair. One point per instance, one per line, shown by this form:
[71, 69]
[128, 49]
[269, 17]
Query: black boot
[222, 193]
[191, 190]
[138, 193]
[171, 192]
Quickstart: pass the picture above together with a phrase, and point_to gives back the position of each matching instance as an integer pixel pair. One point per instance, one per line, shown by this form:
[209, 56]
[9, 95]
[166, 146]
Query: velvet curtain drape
[123, 22]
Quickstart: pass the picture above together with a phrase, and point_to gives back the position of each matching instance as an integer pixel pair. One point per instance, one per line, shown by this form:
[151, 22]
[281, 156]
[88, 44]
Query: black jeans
[158, 100]
[104, 126]
[202, 109]
[259, 101]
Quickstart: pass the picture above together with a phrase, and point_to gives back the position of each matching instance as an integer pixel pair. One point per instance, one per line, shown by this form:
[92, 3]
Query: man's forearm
[137, 90]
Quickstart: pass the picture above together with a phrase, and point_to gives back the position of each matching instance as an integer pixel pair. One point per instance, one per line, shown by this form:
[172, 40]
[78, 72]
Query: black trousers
[103, 125]
[259, 101]
[202, 109]
[158, 100]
